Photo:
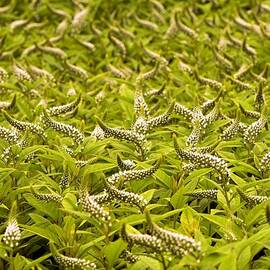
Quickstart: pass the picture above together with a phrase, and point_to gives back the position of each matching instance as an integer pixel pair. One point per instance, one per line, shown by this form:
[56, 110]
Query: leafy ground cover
[134, 134]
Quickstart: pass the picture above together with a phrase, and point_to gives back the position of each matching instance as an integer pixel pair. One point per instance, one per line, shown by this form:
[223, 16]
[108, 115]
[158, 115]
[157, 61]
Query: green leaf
[113, 250]
[178, 199]
[228, 262]
[146, 263]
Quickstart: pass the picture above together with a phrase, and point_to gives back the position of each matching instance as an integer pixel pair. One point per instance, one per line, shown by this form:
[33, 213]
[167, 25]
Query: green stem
[163, 262]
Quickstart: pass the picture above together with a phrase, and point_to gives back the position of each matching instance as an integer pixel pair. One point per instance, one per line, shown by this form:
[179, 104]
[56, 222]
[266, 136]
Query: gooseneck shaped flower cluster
[162, 241]
[127, 197]
[46, 197]
[144, 240]
[57, 110]
[203, 160]
[252, 132]
[10, 135]
[90, 205]
[12, 233]
[68, 130]
[201, 194]
[265, 162]
[125, 165]
[252, 200]
[176, 243]
[22, 126]
[8, 105]
[121, 134]
[71, 262]
[133, 174]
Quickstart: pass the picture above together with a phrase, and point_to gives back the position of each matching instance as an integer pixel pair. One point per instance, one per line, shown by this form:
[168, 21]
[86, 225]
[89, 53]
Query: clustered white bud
[12, 234]
[90, 205]
[10, 135]
[204, 160]
[132, 174]
[208, 194]
[265, 162]
[56, 110]
[252, 132]
[127, 197]
[252, 200]
[68, 130]
[74, 263]
[22, 126]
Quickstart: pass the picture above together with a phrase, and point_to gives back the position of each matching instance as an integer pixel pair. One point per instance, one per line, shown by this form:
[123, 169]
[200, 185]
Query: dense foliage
[134, 134]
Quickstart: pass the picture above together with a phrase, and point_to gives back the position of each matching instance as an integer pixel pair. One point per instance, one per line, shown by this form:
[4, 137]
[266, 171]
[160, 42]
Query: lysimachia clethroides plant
[12, 234]
[201, 160]
[162, 241]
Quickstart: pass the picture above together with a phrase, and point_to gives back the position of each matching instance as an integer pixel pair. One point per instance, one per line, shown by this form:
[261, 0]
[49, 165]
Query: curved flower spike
[173, 28]
[144, 240]
[76, 70]
[207, 149]
[121, 134]
[156, 92]
[210, 104]
[224, 62]
[259, 98]
[102, 198]
[265, 162]
[42, 73]
[140, 126]
[203, 160]
[252, 200]
[79, 20]
[208, 194]
[116, 71]
[189, 167]
[12, 233]
[65, 179]
[195, 135]
[129, 257]
[185, 29]
[148, 75]
[125, 165]
[90, 205]
[210, 117]
[22, 126]
[247, 113]
[232, 129]
[252, 132]
[21, 74]
[163, 61]
[71, 262]
[140, 106]
[56, 52]
[119, 44]
[185, 67]
[127, 197]
[46, 197]
[241, 85]
[6, 105]
[176, 243]
[205, 81]
[69, 130]
[133, 174]
[162, 119]
[98, 133]
[147, 24]
[56, 110]
[10, 135]
[183, 111]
